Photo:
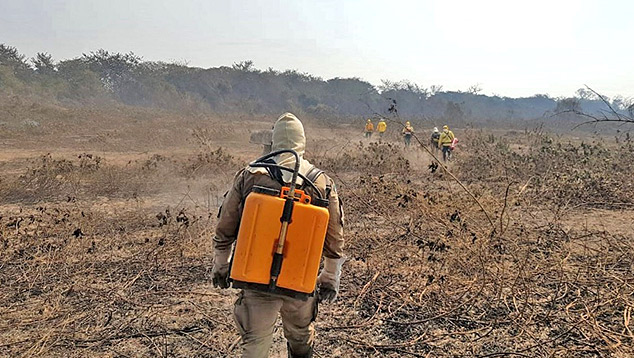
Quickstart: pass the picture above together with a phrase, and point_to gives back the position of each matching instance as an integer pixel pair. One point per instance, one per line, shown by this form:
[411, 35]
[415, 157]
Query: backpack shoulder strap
[314, 173]
[274, 173]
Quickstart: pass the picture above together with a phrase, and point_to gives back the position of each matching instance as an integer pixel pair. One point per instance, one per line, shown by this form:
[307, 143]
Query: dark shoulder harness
[312, 175]
[274, 172]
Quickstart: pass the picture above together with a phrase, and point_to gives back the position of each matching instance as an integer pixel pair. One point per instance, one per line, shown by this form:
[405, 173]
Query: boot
[291, 355]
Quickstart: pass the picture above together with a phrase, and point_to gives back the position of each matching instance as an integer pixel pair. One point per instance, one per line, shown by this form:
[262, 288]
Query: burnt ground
[107, 218]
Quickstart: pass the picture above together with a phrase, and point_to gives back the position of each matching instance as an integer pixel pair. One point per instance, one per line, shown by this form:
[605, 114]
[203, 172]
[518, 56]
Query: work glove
[220, 271]
[328, 280]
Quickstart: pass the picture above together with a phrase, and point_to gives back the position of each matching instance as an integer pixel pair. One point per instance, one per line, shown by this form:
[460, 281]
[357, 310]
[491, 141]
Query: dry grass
[589, 173]
[106, 256]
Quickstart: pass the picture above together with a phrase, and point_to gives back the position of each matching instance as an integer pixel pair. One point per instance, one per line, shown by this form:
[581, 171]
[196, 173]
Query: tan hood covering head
[288, 133]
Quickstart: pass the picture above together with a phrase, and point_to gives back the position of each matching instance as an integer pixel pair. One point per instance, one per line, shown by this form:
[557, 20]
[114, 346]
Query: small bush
[584, 173]
[373, 158]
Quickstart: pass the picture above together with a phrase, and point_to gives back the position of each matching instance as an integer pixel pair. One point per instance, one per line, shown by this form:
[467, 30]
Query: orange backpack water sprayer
[281, 237]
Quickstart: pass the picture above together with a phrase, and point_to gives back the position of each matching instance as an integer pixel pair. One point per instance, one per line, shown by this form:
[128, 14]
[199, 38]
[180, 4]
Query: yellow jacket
[445, 139]
[369, 127]
[381, 127]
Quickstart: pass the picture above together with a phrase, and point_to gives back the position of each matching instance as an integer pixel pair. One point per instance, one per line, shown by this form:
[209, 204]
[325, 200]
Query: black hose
[282, 151]
[258, 164]
[281, 167]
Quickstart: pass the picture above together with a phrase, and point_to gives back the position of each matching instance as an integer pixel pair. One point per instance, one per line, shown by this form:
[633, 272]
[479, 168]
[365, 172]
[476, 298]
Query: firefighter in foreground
[445, 141]
[407, 132]
[381, 127]
[256, 308]
[369, 128]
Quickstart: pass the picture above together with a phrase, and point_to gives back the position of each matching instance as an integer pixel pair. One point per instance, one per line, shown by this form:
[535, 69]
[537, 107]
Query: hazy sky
[512, 48]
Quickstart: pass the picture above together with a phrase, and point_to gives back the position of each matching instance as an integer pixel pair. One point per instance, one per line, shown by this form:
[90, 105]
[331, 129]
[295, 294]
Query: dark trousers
[446, 153]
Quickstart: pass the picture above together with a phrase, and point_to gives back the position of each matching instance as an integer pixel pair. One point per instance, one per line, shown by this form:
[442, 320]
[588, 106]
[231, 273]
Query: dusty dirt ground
[106, 220]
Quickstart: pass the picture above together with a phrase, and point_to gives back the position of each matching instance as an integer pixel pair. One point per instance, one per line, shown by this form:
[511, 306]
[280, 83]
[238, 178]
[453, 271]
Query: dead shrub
[553, 171]
[373, 158]
[86, 177]
[210, 162]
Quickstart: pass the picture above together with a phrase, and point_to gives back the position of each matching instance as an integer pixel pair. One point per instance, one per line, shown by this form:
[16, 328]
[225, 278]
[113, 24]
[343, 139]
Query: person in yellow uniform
[369, 129]
[407, 132]
[381, 127]
[444, 142]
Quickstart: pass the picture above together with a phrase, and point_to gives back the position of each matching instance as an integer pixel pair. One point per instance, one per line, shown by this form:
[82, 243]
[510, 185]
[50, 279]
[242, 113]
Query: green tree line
[103, 77]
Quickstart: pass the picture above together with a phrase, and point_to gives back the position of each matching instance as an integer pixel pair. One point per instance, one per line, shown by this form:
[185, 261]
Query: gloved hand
[220, 271]
[328, 280]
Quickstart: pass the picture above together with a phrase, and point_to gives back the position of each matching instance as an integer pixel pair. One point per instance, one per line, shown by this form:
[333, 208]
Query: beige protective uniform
[255, 312]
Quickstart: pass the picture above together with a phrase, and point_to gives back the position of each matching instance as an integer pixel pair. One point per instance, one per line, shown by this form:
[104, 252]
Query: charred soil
[105, 244]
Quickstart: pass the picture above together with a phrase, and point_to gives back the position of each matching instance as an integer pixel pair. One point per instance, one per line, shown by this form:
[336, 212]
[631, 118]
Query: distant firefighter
[407, 132]
[264, 138]
[435, 135]
[369, 128]
[445, 142]
[381, 127]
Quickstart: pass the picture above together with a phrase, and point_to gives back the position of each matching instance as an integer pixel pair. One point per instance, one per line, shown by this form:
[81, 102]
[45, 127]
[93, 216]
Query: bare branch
[611, 115]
